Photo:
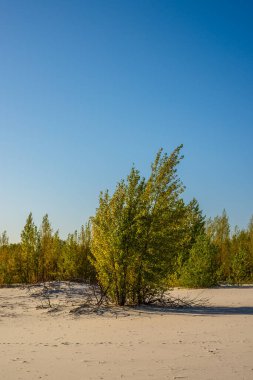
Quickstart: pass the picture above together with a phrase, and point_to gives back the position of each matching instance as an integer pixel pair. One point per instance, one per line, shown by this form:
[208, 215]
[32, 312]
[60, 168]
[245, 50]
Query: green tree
[5, 260]
[114, 234]
[241, 258]
[161, 228]
[250, 234]
[29, 251]
[85, 270]
[68, 259]
[137, 231]
[240, 267]
[218, 230]
[46, 247]
[200, 269]
[75, 256]
[15, 262]
[55, 258]
[193, 226]
[4, 240]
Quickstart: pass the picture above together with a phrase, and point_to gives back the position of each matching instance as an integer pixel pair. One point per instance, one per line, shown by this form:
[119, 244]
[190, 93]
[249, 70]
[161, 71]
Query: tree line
[42, 256]
[142, 239]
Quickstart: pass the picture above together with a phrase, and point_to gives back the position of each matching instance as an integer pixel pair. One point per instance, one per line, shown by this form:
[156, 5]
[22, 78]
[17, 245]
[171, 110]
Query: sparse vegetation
[142, 238]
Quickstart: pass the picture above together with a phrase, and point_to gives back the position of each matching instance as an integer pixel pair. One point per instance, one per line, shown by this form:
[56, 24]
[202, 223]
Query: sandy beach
[41, 342]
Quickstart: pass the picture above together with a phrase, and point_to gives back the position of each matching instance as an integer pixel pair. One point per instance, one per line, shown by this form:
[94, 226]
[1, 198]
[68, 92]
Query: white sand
[216, 343]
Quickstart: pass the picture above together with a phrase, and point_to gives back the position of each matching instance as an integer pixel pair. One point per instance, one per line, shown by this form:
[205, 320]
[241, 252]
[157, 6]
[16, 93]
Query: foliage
[241, 257]
[194, 225]
[114, 237]
[29, 252]
[218, 230]
[143, 238]
[75, 257]
[200, 269]
[137, 232]
[240, 267]
[46, 247]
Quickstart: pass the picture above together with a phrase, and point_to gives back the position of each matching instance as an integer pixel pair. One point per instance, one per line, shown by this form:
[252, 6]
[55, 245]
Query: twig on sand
[94, 303]
[99, 303]
[166, 300]
[92, 299]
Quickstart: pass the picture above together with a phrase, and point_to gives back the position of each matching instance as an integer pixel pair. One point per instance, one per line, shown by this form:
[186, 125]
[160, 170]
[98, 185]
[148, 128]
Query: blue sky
[89, 87]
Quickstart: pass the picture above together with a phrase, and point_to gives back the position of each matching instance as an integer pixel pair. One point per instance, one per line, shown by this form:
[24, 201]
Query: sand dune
[36, 342]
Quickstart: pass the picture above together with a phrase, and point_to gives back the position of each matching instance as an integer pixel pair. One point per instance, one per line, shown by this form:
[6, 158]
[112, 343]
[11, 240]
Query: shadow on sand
[205, 310]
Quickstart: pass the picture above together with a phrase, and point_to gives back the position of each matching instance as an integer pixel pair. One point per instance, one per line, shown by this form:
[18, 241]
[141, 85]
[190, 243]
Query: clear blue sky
[89, 87]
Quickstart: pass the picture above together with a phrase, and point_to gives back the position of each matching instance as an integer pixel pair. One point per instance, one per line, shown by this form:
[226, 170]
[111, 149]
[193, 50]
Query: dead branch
[166, 300]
